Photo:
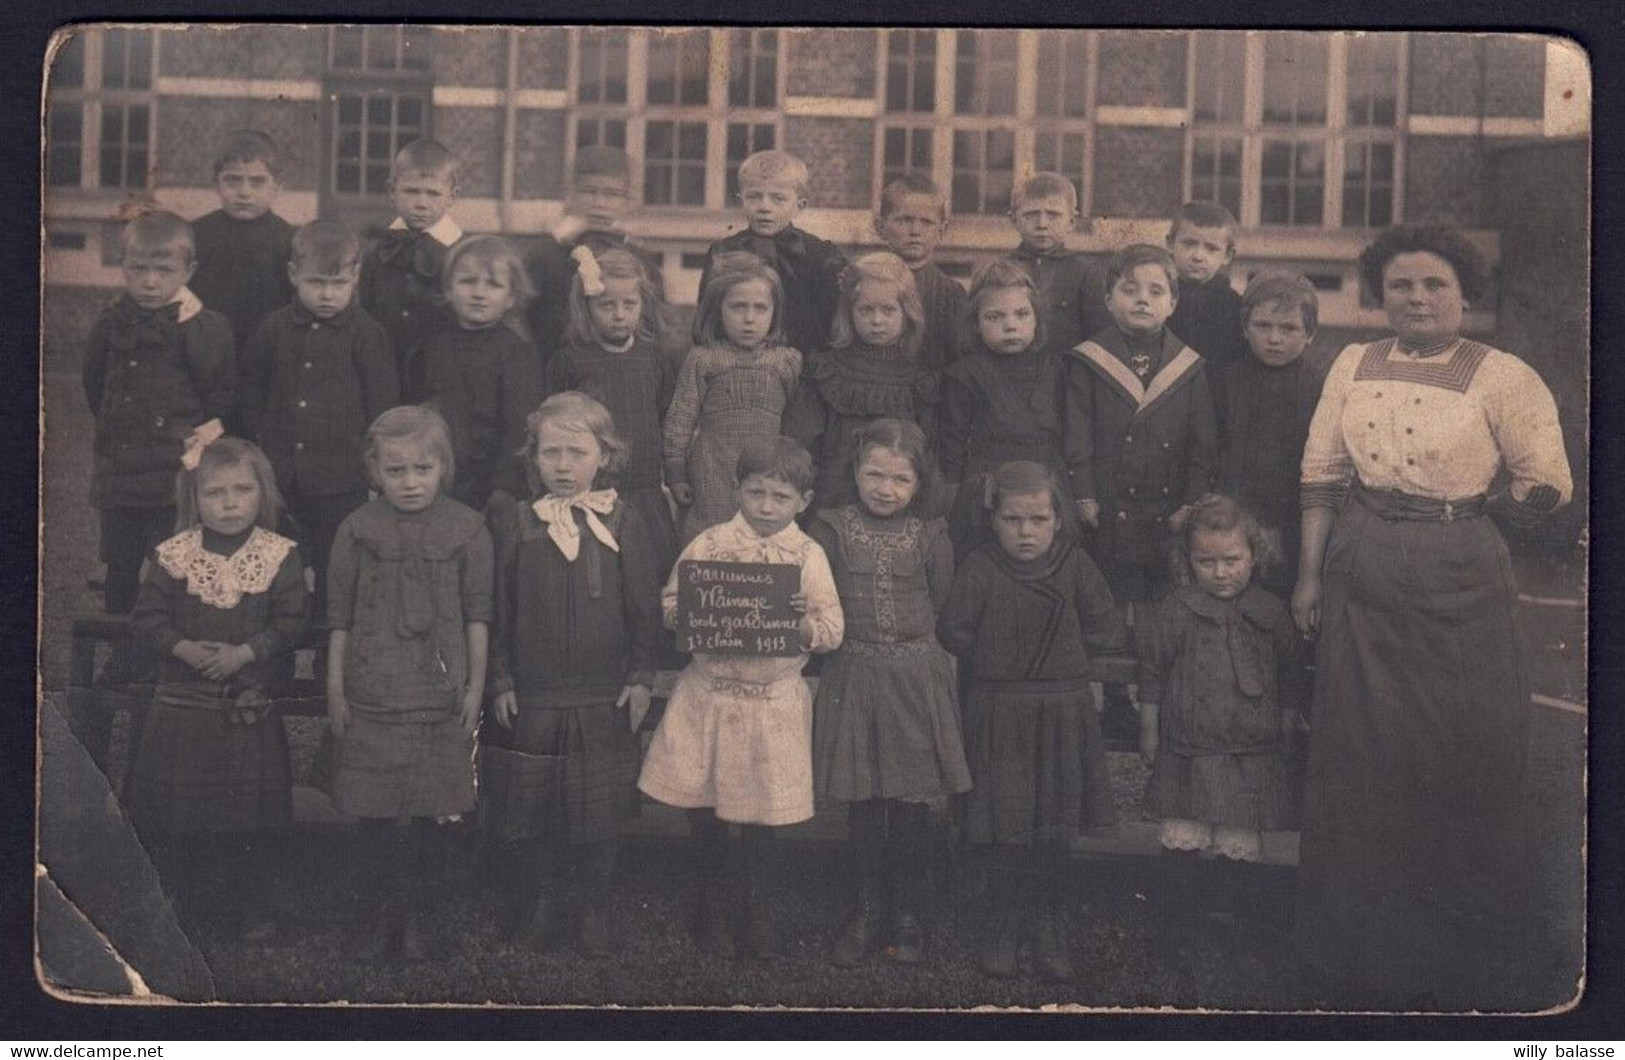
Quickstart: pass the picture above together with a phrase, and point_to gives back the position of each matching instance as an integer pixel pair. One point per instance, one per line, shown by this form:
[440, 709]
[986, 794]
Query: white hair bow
[202, 436]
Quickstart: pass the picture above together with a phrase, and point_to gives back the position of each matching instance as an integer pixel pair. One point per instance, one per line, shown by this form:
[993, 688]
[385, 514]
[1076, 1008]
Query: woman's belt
[1396, 507]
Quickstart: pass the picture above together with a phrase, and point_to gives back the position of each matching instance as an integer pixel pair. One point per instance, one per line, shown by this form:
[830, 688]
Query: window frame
[93, 99]
[1026, 123]
[1336, 135]
[369, 206]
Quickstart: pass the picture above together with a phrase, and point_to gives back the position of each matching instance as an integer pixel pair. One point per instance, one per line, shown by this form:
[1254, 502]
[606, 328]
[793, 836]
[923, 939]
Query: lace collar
[221, 581]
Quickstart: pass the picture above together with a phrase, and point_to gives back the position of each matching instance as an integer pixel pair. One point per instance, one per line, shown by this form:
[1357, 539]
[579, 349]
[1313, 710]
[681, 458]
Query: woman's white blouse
[1438, 426]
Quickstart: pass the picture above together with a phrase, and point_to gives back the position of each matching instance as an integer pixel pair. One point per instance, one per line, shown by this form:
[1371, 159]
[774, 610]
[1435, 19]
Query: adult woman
[1413, 886]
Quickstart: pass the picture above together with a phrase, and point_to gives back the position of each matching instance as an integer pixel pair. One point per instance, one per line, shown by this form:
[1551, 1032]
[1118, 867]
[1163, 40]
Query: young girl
[735, 741]
[409, 606]
[1002, 401]
[1025, 613]
[573, 659]
[479, 374]
[732, 390]
[886, 721]
[1221, 684]
[610, 353]
[872, 369]
[225, 597]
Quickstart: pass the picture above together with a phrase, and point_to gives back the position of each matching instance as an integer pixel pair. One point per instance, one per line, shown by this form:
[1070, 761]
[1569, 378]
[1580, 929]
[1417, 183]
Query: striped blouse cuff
[1321, 495]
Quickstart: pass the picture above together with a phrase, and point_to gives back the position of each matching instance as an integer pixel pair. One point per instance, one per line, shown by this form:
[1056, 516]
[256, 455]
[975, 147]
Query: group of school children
[492, 465]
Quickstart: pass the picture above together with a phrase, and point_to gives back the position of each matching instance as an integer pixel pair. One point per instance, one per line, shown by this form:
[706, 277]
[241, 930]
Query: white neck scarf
[561, 524]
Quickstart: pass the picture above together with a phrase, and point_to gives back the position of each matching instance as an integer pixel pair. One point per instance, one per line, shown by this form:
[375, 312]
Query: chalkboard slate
[737, 608]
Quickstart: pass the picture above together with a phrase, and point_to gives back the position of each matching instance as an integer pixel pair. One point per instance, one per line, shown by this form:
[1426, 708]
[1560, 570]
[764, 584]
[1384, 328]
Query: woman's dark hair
[1444, 240]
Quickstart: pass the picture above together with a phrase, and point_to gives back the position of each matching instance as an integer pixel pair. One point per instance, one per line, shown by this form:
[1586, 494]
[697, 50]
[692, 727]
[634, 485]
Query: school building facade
[1314, 140]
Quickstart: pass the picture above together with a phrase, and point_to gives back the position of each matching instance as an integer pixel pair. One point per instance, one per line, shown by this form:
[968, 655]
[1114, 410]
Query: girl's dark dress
[997, 408]
[1032, 737]
[568, 637]
[845, 390]
[212, 755]
[636, 386]
[1222, 671]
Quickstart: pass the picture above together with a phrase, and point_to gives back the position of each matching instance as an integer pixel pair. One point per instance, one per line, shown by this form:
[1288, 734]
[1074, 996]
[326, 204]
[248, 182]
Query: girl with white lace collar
[573, 657]
[225, 597]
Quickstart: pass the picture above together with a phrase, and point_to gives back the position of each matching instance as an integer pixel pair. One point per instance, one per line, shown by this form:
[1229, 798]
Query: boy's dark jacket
[150, 377]
[810, 269]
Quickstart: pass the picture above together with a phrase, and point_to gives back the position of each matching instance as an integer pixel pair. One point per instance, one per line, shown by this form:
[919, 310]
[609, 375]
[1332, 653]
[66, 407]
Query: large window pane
[1295, 78]
[1220, 77]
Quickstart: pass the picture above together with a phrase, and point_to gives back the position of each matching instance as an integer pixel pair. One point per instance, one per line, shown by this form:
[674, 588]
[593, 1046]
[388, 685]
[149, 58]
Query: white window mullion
[1336, 129]
[1024, 163]
[716, 120]
[1402, 100]
[942, 144]
[1086, 193]
[637, 80]
[1252, 143]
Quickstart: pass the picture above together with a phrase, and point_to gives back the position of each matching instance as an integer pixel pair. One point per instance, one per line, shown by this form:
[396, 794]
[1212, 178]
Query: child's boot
[906, 877]
[857, 934]
[758, 925]
[999, 941]
[596, 869]
[1051, 947]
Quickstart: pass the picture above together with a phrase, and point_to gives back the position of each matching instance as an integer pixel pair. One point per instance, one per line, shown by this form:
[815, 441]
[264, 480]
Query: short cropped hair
[881, 266]
[154, 231]
[412, 423]
[911, 184]
[1446, 241]
[783, 459]
[427, 157]
[328, 247]
[1019, 478]
[573, 411]
[728, 270]
[1133, 256]
[1042, 185]
[1288, 290]
[249, 145]
[1204, 215]
[768, 167]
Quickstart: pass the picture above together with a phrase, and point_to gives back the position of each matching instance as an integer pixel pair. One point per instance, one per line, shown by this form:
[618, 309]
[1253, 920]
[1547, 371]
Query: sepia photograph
[814, 517]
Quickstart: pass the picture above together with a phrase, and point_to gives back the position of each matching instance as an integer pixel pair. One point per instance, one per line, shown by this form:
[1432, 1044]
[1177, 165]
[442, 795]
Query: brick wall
[1444, 180]
[1454, 73]
[190, 130]
[839, 153]
[544, 57]
[475, 56]
[273, 52]
[832, 62]
[539, 154]
[1138, 172]
[1140, 68]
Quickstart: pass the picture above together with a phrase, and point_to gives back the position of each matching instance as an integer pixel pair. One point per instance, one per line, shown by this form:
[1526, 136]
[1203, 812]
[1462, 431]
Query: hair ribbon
[202, 436]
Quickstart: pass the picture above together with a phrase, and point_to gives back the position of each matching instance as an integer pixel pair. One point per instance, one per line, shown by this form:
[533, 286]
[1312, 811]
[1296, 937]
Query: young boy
[599, 197]
[156, 365]
[912, 218]
[1208, 316]
[400, 275]
[1044, 209]
[243, 247]
[1140, 436]
[1264, 404]
[773, 190]
[315, 373]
